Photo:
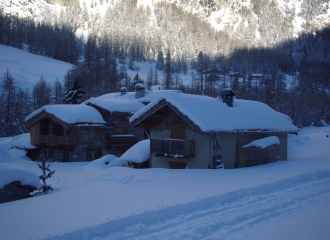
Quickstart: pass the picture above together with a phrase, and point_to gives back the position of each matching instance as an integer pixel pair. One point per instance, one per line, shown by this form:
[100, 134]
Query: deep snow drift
[284, 200]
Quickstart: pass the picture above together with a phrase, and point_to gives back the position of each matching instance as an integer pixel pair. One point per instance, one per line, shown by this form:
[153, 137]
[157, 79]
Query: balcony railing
[58, 140]
[121, 140]
[173, 147]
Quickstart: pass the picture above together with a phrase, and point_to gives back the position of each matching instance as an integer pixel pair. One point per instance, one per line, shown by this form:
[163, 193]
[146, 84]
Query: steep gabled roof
[207, 115]
[67, 114]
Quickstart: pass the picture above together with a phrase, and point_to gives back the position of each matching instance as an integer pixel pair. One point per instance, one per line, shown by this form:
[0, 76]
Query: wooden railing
[173, 147]
[121, 140]
[58, 140]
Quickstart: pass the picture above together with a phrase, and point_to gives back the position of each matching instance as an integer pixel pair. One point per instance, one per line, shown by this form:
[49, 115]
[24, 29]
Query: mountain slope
[186, 27]
[27, 68]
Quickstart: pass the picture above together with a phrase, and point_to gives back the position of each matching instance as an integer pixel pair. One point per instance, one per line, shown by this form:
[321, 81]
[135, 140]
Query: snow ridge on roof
[264, 142]
[212, 115]
[71, 113]
[117, 105]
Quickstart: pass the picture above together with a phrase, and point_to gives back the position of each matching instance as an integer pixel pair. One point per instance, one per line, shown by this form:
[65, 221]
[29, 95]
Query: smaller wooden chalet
[201, 132]
[92, 129]
[69, 132]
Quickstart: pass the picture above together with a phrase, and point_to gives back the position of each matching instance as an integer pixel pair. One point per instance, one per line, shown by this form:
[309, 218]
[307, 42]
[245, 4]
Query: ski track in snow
[227, 216]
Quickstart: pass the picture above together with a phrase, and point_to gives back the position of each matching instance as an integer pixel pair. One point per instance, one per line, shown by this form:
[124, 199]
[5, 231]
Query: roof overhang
[163, 103]
[44, 114]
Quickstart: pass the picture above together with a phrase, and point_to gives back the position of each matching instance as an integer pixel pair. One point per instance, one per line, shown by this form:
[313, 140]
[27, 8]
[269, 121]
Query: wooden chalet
[90, 130]
[191, 131]
[69, 132]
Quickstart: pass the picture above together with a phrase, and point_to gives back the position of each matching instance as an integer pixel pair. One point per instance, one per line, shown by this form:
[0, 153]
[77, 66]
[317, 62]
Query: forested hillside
[104, 38]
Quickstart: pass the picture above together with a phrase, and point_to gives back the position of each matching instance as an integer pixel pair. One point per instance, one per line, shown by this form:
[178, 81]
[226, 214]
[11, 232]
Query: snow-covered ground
[284, 200]
[27, 68]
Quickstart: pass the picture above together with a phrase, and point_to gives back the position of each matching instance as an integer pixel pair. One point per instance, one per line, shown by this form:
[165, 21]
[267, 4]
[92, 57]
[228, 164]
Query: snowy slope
[284, 200]
[27, 68]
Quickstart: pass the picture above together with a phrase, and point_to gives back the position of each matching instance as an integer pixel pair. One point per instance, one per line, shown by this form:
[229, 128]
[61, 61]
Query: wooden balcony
[58, 140]
[121, 140]
[173, 148]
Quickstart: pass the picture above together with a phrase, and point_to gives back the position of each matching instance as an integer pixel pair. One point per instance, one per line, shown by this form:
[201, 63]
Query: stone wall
[15, 191]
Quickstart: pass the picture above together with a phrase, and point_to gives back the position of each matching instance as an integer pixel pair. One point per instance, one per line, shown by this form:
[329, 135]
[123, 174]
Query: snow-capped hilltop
[251, 22]
[28, 8]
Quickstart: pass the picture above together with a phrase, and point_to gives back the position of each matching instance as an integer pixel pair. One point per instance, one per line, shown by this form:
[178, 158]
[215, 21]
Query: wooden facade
[58, 140]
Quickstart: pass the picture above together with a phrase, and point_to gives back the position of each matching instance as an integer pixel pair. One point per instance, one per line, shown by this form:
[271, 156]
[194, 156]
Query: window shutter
[98, 133]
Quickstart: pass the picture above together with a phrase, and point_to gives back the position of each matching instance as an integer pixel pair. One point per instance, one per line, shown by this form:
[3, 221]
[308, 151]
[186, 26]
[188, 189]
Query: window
[98, 133]
[43, 127]
[119, 131]
[58, 130]
[178, 132]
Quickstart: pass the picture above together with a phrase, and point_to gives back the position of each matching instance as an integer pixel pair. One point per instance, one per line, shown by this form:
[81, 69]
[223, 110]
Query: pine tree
[168, 78]
[74, 94]
[160, 61]
[9, 91]
[150, 78]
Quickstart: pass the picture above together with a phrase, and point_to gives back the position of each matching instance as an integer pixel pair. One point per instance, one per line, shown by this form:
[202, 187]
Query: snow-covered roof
[264, 142]
[117, 105]
[212, 115]
[256, 75]
[126, 103]
[140, 85]
[71, 113]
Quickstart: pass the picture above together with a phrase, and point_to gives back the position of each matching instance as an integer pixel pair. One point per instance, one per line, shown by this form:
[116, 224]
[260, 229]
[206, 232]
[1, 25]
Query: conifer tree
[74, 94]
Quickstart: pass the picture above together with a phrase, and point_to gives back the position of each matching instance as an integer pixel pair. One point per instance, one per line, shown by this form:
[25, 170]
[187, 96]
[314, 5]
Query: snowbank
[108, 161]
[264, 142]
[10, 173]
[5, 157]
[22, 141]
[71, 113]
[138, 153]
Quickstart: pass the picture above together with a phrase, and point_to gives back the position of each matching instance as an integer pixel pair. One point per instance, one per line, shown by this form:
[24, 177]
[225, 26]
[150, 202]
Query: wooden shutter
[98, 133]
[120, 131]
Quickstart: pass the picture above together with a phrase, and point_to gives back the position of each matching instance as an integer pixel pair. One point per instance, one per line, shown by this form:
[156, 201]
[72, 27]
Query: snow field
[287, 198]
[225, 216]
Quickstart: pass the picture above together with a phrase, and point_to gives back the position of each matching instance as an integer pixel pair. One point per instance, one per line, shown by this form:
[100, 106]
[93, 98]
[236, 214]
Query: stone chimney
[123, 91]
[227, 96]
[140, 90]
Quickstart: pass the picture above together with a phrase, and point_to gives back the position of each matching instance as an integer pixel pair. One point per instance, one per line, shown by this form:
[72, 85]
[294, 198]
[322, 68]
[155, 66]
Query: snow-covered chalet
[192, 131]
[90, 130]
